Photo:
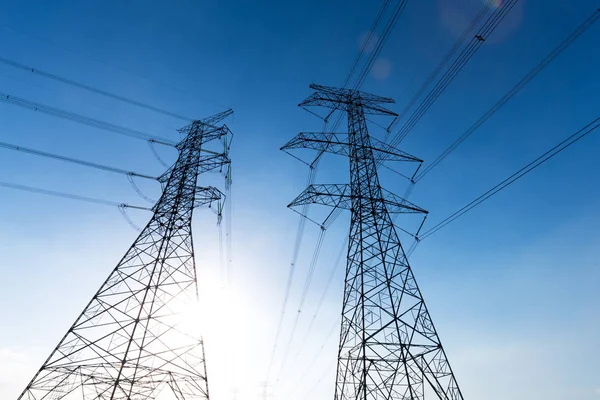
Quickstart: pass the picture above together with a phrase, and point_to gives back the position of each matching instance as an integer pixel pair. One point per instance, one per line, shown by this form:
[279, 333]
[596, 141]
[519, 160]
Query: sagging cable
[153, 149]
[138, 191]
[121, 208]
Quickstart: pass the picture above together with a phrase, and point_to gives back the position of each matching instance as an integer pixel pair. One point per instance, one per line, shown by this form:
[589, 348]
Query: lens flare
[382, 68]
[493, 3]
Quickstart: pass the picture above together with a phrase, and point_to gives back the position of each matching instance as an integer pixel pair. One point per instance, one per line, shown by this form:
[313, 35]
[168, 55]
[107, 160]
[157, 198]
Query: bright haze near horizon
[512, 286]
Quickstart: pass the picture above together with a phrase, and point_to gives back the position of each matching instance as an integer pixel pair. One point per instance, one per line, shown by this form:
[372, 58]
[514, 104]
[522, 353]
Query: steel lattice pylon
[389, 348]
[131, 342]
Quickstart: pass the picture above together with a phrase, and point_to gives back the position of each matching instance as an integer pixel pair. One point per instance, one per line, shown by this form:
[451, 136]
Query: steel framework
[389, 348]
[132, 340]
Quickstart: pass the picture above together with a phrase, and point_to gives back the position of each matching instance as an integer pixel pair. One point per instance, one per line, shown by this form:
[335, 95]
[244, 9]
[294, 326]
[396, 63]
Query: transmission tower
[389, 348]
[133, 340]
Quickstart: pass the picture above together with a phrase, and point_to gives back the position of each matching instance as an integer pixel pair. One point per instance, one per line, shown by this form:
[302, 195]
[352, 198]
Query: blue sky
[511, 286]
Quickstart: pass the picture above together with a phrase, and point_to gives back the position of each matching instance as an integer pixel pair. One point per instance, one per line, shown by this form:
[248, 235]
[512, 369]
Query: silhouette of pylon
[131, 342]
[389, 348]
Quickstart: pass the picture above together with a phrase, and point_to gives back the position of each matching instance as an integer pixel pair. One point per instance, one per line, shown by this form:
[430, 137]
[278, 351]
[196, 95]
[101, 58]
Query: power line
[334, 269]
[228, 225]
[156, 155]
[580, 134]
[329, 220]
[477, 40]
[130, 174]
[444, 62]
[73, 160]
[307, 283]
[367, 42]
[319, 353]
[295, 253]
[391, 23]
[57, 112]
[92, 89]
[288, 287]
[382, 40]
[558, 50]
[317, 383]
[70, 196]
[88, 54]
[467, 53]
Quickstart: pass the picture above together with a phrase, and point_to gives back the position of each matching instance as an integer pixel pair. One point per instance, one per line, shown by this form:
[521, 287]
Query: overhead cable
[305, 290]
[228, 224]
[156, 155]
[380, 43]
[138, 190]
[70, 196]
[89, 88]
[57, 112]
[367, 42]
[558, 50]
[466, 54]
[130, 174]
[288, 286]
[27, 150]
[319, 353]
[128, 218]
[335, 267]
[445, 60]
[516, 176]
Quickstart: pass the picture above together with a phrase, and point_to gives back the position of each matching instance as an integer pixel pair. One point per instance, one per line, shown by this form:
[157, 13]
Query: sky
[511, 286]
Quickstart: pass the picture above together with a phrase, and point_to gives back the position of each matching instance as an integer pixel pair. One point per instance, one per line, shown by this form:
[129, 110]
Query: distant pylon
[133, 340]
[389, 348]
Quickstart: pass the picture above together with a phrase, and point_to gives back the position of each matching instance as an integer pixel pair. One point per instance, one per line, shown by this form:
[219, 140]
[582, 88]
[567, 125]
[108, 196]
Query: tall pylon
[133, 340]
[389, 348]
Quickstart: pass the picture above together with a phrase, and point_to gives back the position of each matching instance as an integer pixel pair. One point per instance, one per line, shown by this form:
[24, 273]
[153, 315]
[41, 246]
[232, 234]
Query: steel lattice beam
[337, 143]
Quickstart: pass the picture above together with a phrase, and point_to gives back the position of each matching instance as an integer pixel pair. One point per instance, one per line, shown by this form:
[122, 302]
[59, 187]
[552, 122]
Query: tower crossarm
[211, 162]
[208, 195]
[209, 133]
[342, 99]
[337, 143]
[340, 196]
[215, 118]
[328, 195]
[204, 163]
[207, 123]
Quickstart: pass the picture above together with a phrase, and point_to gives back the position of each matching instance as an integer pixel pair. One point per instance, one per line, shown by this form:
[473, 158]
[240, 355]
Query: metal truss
[341, 196]
[337, 143]
[389, 348]
[132, 341]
